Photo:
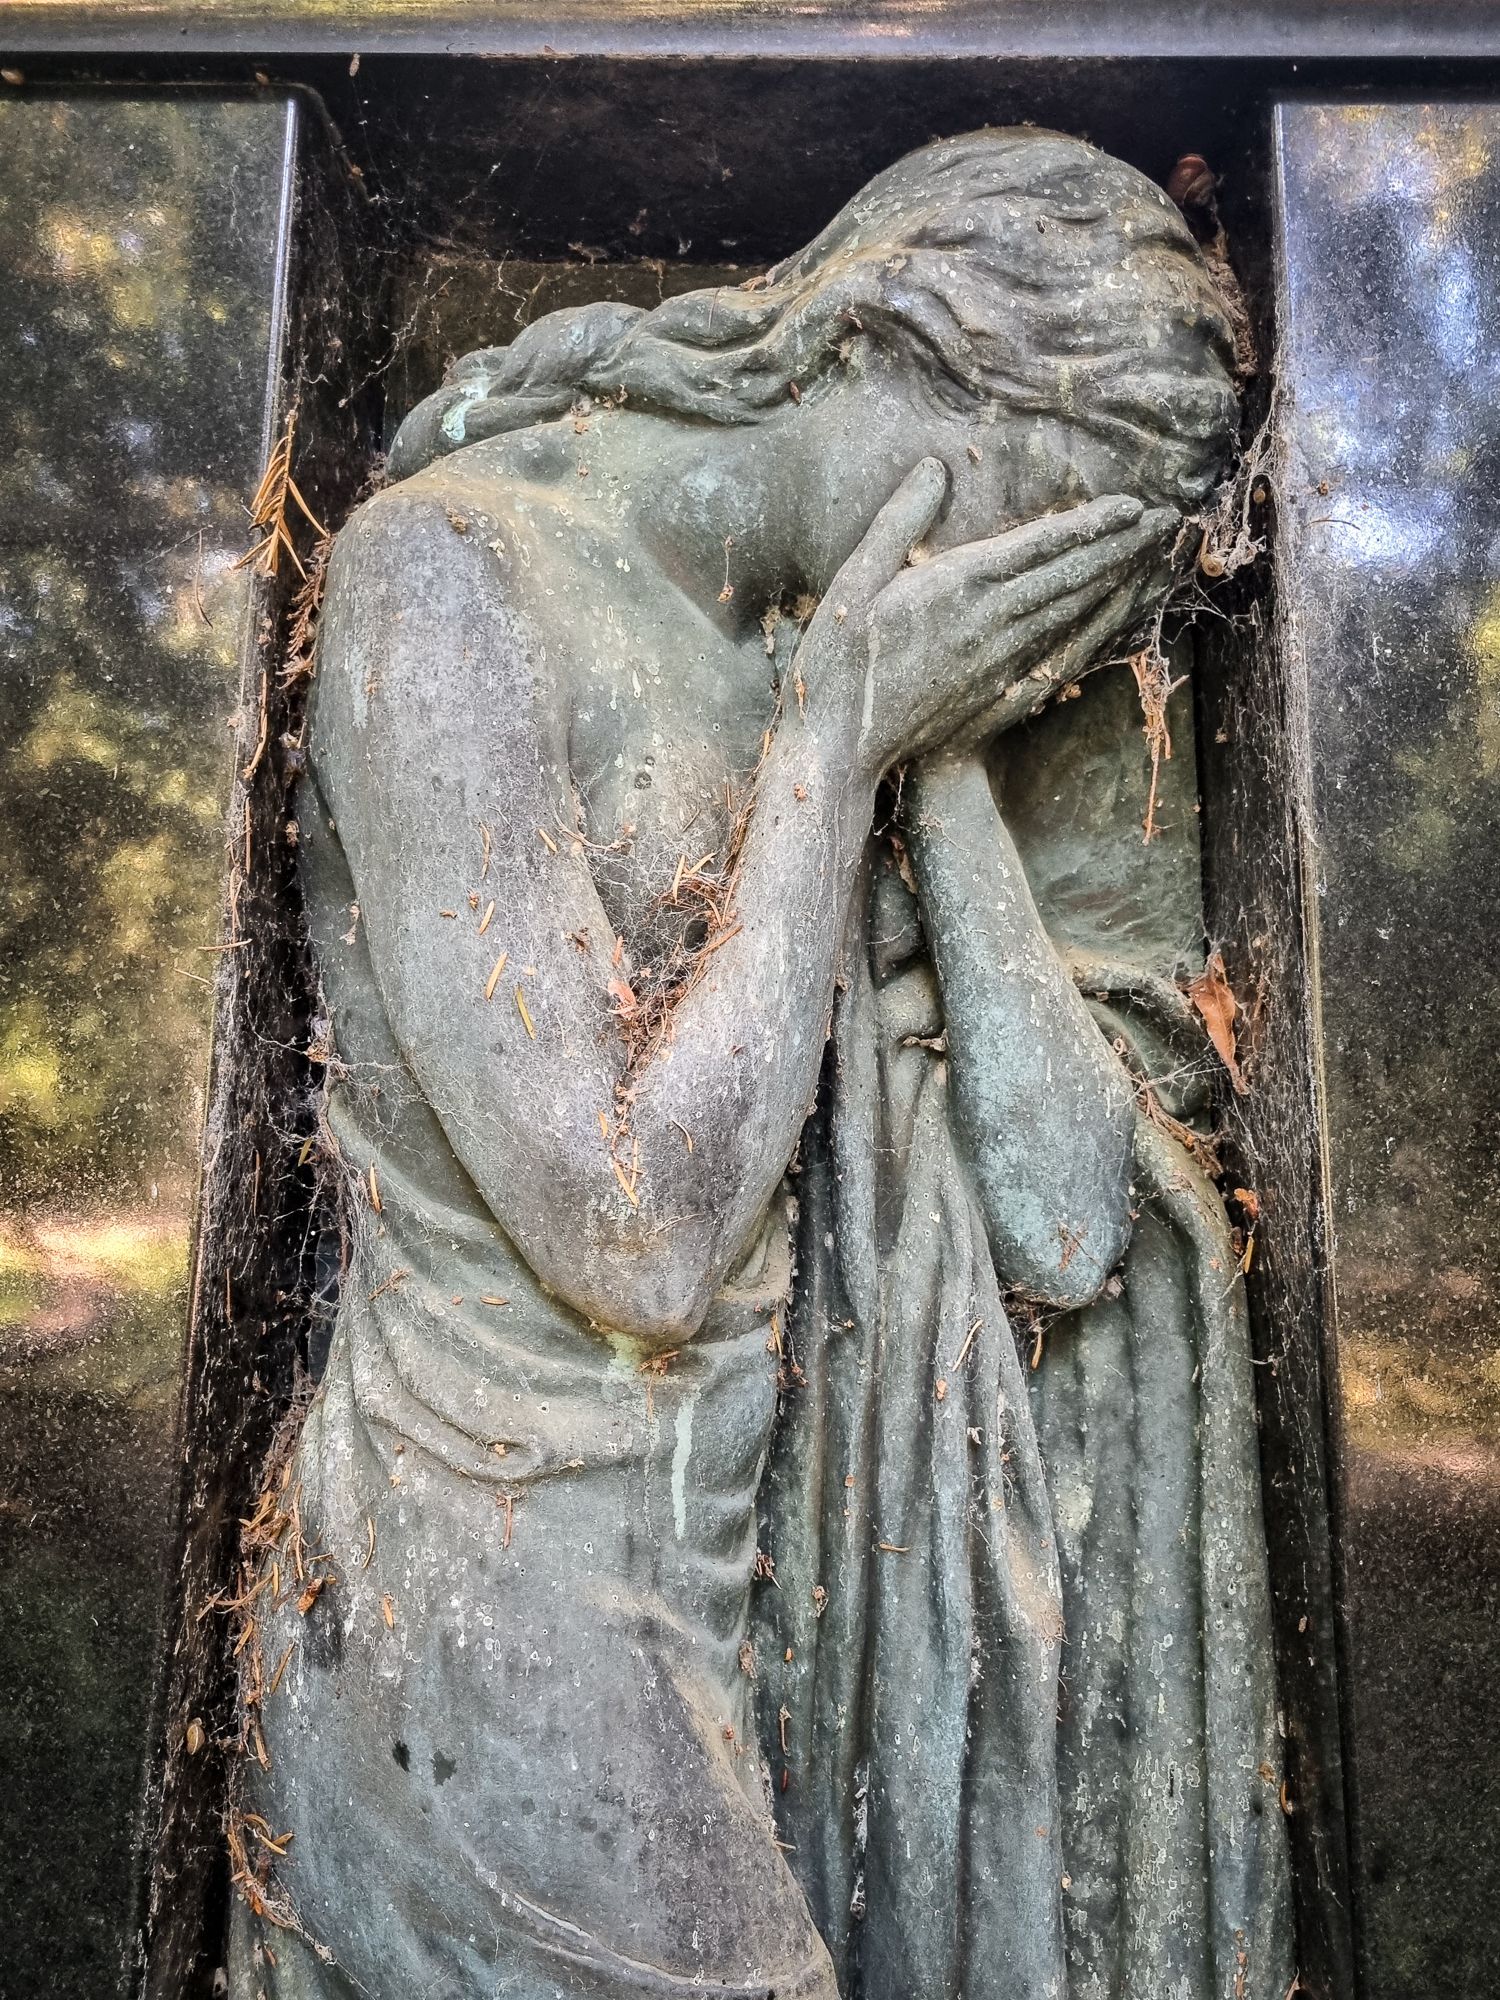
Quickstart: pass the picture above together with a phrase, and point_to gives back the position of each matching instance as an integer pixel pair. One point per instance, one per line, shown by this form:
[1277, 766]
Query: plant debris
[1213, 997]
[297, 663]
[268, 511]
[1154, 683]
[276, 1568]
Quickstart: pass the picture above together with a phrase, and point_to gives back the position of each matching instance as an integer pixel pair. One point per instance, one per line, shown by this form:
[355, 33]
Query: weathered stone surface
[609, 682]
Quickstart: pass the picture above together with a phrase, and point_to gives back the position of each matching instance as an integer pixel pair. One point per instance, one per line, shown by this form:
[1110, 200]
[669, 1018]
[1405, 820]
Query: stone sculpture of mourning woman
[610, 677]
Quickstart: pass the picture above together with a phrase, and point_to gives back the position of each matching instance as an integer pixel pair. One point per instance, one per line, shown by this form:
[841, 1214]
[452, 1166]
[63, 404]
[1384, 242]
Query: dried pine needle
[268, 510]
[715, 943]
[525, 1014]
[624, 1179]
[375, 1201]
[494, 979]
[264, 730]
[484, 921]
[1154, 682]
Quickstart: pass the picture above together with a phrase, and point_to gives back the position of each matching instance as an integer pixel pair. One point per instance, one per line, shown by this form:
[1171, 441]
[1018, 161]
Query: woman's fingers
[1098, 619]
[1028, 642]
[888, 541]
[977, 594]
[1085, 648]
[1050, 535]
[998, 616]
[1107, 553]
[1032, 659]
[951, 635]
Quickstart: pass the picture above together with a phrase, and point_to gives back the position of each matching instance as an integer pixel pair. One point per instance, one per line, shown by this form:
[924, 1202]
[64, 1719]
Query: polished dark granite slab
[142, 253]
[1390, 244]
[872, 29]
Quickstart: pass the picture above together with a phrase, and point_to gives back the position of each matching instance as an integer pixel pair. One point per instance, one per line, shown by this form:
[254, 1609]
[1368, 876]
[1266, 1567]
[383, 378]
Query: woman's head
[1010, 275]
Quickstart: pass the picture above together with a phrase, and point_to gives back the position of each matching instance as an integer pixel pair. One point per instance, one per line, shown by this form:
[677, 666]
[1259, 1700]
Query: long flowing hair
[1011, 267]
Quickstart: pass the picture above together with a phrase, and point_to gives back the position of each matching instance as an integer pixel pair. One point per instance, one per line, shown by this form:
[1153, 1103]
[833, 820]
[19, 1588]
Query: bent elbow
[654, 1302]
[649, 1286]
[647, 1270]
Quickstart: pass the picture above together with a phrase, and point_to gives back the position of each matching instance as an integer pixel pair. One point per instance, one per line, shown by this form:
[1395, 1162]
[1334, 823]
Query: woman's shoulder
[439, 635]
[520, 505]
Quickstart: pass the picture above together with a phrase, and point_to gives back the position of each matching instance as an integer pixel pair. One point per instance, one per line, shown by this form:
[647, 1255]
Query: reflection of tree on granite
[115, 682]
[135, 265]
[636, 626]
[1392, 238]
[1406, 559]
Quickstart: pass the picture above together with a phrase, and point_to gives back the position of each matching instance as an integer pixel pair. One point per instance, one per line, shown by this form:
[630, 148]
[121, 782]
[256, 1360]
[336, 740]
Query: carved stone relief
[781, 1515]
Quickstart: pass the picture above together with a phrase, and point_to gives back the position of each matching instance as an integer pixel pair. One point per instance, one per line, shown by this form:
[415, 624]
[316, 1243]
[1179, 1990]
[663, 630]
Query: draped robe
[1017, 1691]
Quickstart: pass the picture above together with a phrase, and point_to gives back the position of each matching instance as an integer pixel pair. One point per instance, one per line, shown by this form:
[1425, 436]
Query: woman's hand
[951, 649]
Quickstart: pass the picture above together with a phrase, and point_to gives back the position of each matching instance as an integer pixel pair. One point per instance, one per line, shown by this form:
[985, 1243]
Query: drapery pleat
[909, 1644]
[977, 1806]
[1168, 1754]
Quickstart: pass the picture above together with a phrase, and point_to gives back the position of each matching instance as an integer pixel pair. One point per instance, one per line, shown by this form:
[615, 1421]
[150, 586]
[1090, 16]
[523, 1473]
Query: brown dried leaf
[626, 1004]
[1214, 999]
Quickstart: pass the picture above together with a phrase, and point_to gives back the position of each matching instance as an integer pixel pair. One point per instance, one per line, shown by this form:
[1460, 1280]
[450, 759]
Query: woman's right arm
[629, 1186]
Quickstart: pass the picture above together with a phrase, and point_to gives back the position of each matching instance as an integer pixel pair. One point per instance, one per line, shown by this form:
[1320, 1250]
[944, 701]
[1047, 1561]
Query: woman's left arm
[1047, 1111]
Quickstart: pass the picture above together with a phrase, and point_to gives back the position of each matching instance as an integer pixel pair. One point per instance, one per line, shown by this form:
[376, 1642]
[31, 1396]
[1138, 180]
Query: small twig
[963, 1353]
[265, 727]
[1155, 685]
